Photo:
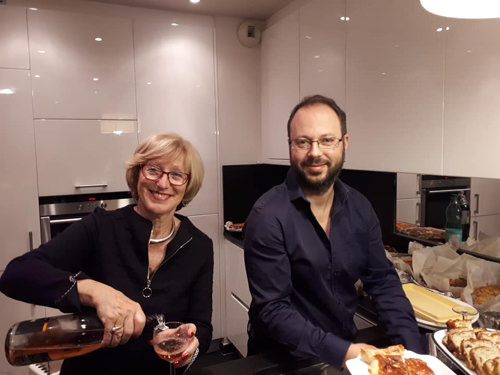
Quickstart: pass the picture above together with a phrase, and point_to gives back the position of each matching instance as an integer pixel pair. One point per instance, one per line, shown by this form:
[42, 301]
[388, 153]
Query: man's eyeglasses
[325, 143]
[154, 173]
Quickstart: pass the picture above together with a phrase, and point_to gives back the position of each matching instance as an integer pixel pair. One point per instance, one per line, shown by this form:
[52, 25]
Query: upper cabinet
[13, 38]
[176, 92]
[394, 78]
[83, 156]
[322, 49]
[279, 84]
[82, 66]
[471, 97]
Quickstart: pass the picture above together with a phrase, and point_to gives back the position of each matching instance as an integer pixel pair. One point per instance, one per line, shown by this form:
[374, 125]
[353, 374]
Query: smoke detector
[249, 34]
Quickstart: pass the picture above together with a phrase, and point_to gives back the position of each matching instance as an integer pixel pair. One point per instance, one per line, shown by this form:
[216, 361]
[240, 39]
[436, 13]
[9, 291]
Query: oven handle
[447, 191]
[64, 221]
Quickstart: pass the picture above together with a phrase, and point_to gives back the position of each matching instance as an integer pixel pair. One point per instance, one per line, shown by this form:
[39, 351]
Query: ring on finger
[115, 329]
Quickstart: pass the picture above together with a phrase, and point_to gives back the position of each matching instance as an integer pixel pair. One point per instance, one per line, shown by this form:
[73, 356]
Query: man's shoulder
[273, 198]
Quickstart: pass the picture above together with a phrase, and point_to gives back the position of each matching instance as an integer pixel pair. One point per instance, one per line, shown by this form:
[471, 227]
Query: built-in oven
[57, 213]
[435, 194]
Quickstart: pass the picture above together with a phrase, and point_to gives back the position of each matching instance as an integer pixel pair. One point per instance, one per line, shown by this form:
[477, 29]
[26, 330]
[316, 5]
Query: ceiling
[250, 9]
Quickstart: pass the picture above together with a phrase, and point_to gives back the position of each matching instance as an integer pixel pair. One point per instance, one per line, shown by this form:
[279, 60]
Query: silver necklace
[159, 240]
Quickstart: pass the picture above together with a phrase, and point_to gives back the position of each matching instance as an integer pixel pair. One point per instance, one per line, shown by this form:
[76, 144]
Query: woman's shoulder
[189, 227]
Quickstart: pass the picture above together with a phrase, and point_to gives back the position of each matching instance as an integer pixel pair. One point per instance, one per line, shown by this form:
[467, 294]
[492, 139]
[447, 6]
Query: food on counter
[234, 227]
[391, 361]
[425, 233]
[479, 348]
[484, 294]
[459, 282]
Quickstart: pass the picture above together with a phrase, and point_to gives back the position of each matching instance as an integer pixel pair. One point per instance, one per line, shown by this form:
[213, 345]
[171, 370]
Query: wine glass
[170, 339]
[465, 311]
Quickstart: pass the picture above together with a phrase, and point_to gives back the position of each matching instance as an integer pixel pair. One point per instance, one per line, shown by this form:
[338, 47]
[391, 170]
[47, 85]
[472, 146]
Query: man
[307, 242]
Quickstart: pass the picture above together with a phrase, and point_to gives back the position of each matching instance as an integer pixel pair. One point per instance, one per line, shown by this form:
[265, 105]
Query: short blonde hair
[172, 146]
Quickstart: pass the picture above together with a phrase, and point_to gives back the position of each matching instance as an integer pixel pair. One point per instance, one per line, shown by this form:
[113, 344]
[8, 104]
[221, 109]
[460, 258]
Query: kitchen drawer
[83, 156]
[237, 320]
[236, 276]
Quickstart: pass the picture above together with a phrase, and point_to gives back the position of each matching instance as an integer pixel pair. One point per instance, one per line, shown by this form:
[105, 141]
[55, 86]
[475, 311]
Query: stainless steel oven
[57, 213]
[435, 193]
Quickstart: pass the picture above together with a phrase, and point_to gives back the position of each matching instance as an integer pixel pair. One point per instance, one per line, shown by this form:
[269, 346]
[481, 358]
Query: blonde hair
[172, 146]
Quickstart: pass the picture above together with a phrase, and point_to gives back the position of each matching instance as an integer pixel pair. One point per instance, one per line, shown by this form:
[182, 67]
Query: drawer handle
[90, 186]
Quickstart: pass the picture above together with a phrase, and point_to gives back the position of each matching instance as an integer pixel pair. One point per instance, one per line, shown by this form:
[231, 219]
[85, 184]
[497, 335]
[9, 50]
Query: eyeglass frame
[142, 166]
[311, 141]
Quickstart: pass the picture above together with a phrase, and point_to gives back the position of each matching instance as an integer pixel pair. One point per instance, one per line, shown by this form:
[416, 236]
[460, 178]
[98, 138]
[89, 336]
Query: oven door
[52, 226]
[434, 203]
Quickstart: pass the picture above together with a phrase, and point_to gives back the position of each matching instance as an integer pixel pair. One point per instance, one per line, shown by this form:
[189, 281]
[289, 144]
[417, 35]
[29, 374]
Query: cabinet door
[13, 311]
[394, 85]
[485, 196]
[209, 224]
[83, 156]
[19, 220]
[472, 89]
[485, 226]
[408, 210]
[75, 74]
[238, 297]
[408, 185]
[13, 38]
[322, 49]
[279, 84]
[176, 93]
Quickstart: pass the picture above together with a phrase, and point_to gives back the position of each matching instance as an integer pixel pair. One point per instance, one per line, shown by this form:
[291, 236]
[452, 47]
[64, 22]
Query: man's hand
[354, 350]
[122, 317]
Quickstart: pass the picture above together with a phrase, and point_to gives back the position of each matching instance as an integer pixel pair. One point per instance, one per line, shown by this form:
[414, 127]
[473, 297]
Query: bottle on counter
[454, 221]
[53, 338]
[465, 218]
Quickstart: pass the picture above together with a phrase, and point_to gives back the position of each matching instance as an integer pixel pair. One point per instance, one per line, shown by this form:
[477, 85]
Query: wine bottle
[52, 338]
[465, 218]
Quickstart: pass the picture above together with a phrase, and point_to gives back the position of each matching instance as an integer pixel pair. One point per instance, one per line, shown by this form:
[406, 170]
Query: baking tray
[432, 309]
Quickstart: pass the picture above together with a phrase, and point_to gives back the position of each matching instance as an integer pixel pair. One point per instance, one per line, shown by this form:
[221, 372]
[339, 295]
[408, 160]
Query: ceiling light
[98, 39]
[194, 1]
[463, 8]
[174, 24]
[6, 92]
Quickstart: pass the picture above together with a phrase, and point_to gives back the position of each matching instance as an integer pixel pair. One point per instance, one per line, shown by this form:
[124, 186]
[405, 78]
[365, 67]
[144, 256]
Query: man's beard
[318, 186]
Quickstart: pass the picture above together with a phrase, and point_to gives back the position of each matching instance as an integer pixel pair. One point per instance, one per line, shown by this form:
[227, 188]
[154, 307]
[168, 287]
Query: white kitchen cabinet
[238, 297]
[19, 222]
[209, 224]
[471, 92]
[83, 156]
[485, 208]
[12, 312]
[408, 198]
[13, 38]
[279, 84]
[322, 49]
[76, 75]
[176, 93]
[394, 86]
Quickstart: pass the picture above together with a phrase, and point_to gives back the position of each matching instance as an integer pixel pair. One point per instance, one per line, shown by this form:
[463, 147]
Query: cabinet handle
[419, 182]
[90, 186]
[476, 229]
[447, 191]
[417, 219]
[476, 197]
[30, 239]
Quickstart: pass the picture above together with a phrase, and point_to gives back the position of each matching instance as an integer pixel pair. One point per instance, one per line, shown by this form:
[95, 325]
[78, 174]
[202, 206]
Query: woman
[130, 264]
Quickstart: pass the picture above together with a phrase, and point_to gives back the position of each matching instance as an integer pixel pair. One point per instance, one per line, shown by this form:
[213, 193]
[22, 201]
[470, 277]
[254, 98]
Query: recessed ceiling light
[194, 1]
[98, 39]
[174, 24]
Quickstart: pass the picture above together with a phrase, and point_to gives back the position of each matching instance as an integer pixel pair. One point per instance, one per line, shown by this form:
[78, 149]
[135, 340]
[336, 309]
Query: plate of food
[433, 310]
[474, 350]
[396, 360]
[233, 227]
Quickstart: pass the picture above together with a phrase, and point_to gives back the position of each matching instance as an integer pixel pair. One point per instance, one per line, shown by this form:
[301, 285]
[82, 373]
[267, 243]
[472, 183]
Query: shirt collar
[295, 191]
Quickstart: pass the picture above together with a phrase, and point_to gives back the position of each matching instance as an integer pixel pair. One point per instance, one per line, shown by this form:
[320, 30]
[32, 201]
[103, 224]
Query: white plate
[437, 337]
[357, 367]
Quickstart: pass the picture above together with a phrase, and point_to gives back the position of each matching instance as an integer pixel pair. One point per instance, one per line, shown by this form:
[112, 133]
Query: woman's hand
[187, 355]
[122, 317]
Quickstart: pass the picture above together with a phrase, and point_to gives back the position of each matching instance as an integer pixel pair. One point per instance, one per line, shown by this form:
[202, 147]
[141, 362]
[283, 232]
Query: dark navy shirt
[302, 282]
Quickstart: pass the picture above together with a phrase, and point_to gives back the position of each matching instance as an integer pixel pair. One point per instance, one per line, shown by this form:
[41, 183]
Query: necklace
[159, 240]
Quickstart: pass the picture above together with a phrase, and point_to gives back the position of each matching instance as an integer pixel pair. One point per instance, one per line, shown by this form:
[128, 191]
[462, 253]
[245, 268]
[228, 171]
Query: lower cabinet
[13, 311]
[237, 297]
